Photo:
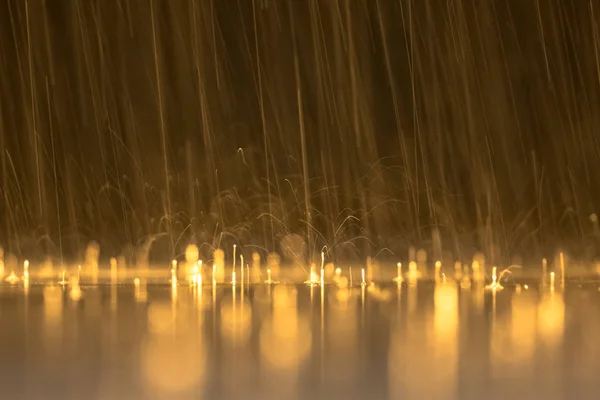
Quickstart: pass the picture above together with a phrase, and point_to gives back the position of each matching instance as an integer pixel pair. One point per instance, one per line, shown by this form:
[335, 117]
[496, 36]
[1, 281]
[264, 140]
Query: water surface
[298, 342]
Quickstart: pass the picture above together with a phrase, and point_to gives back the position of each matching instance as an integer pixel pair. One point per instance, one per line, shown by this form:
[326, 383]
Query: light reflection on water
[273, 342]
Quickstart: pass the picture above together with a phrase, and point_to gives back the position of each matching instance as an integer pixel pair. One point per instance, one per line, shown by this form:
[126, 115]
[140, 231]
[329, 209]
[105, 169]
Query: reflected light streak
[445, 329]
[342, 340]
[551, 318]
[413, 274]
[513, 344]
[140, 290]
[114, 272]
[161, 317]
[53, 315]
[172, 364]
[550, 331]
[236, 321]
[423, 355]
[75, 290]
[285, 342]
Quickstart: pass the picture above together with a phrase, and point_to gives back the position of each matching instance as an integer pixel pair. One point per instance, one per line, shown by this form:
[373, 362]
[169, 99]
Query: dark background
[363, 125]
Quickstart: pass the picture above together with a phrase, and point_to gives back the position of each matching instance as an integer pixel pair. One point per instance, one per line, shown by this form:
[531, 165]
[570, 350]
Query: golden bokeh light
[236, 321]
[173, 364]
[161, 317]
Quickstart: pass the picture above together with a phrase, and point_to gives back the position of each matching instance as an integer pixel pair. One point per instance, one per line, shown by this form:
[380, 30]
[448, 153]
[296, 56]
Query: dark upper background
[362, 124]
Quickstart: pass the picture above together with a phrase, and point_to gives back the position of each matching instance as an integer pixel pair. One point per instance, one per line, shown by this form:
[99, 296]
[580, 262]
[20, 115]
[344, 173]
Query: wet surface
[297, 342]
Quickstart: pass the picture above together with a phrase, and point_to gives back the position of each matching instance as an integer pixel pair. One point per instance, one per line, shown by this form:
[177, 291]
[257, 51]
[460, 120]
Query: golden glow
[284, 298]
[544, 271]
[313, 279]
[161, 317]
[457, 270]
[219, 266]
[12, 278]
[495, 285]
[438, 268]
[91, 261]
[423, 355]
[173, 364]
[513, 341]
[412, 267]
[141, 292]
[445, 327]
[362, 281]
[63, 281]
[234, 257]
[53, 304]
[26, 274]
[343, 282]
[551, 317]
[174, 273]
[523, 327]
[242, 268]
[478, 275]
[285, 338]
[53, 314]
[465, 282]
[199, 276]
[398, 279]
[413, 273]
[114, 275]
[173, 293]
[285, 341]
[562, 270]
[191, 263]
[342, 327]
[255, 267]
[194, 275]
[446, 312]
[173, 356]
[269, 280]
[552, 280]
[236, 321]
[342, 334]
[75, 292]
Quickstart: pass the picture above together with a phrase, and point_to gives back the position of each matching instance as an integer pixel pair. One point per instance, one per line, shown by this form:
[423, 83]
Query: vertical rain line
[395, 102]
[409, 46]
[33, 110]
[595, 39]
[543, 39]
[162, 126]
[54, 169]
[302, 134]
[262, 119]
